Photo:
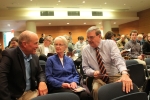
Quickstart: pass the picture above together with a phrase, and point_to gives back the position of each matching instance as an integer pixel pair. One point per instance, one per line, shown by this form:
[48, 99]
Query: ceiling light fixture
[83, 1]
[59, 1]
[30, 0]
[105, 3]
[84, 23]
[49, 23]
[67, 23]
[124, 4]
[114, 22]
[57, 4]
[8, 24]
[100, 22]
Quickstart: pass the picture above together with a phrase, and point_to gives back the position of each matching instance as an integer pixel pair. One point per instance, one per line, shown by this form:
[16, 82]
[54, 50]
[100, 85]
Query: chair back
[42, 64]
[43, 57]
[58, 96]
[133, 96]
[131, 62]
[147, 60]
[113, 90]
[137, 74]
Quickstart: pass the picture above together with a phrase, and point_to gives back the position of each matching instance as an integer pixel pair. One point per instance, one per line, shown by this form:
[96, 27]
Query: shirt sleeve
[117, 58]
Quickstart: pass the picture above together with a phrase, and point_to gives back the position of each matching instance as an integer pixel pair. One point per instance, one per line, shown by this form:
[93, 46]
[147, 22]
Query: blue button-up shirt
[28, 70]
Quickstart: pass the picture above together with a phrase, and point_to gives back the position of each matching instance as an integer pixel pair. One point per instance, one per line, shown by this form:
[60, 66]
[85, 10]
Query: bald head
[28, 42]
[122, 36]
[26, 36]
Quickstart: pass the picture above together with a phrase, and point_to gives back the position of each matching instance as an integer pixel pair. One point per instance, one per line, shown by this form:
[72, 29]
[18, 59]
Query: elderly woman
[60, 71]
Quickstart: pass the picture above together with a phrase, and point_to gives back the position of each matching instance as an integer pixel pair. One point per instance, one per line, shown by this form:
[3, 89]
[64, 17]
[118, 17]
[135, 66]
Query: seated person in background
[79, 44]
[70, 45]
[46, 47]
[146, 45]
[121, 42]
[135, 52]
[20, 73]
[60, 71]
[101, 59]
[140, 39]
[13, 42]
[110, 35]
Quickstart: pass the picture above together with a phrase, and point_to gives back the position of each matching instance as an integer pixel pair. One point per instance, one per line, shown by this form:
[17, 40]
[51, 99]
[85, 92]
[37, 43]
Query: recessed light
[57, 4]
[84, 23]
[67, 23]
[49, 23]
[30, 0]
[100, 23]
[8, 24]
[105, 3]
[59, 1]
[124, 4]
[114, 22]
[83, 1]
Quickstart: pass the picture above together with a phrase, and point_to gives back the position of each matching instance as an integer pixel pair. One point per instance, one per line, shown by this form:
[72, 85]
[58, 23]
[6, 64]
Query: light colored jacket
[41, 50]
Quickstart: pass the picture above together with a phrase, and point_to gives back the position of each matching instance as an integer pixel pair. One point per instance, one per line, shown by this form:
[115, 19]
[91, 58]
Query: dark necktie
[103, 73]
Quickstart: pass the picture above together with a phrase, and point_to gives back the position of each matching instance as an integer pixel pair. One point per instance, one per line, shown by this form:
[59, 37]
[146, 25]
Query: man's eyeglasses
[59, 45]
[91, 37]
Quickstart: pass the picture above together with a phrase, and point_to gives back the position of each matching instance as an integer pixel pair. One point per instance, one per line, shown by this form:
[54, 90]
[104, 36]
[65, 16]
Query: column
[31, 26]
[106, 26]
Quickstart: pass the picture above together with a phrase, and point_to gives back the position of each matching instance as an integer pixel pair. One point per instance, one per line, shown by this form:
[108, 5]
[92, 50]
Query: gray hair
[25, 36]
[48, 38]
[140, 36]
[94, 28]
[63, 39]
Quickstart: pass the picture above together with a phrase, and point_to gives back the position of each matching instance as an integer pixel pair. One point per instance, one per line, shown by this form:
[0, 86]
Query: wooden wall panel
[144, 13]
[1, 40]
[55, 31]
[115, 30]
[127, 27]
[144, 21]
[142, 25]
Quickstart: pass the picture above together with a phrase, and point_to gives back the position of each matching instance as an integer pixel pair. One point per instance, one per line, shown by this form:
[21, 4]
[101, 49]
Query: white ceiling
[117, 5]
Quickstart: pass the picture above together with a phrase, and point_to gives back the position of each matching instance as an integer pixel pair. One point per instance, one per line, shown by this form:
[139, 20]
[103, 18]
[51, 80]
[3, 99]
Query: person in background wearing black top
[146, 45]
[42, 38]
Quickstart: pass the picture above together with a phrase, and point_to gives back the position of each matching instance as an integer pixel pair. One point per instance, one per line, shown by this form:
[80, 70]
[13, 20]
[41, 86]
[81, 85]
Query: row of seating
[112, 91]
[136, 71]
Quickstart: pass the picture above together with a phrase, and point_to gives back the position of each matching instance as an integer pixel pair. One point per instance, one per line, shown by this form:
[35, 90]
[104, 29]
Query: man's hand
[66, 85]
[96, 74]
[140, 57]
[127, 83]
[42, 88]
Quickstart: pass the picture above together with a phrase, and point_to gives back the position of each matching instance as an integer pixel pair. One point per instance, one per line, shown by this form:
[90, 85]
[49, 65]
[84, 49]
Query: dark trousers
[82, 95]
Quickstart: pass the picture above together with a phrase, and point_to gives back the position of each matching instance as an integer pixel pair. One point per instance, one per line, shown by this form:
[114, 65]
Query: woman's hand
[73, 85]
[66, 85]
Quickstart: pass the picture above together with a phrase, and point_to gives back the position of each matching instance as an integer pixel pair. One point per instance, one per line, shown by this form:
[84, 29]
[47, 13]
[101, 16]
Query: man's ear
[99, 35]
[24, 44]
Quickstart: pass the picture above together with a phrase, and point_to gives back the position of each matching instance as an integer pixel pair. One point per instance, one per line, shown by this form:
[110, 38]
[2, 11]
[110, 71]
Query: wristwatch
[125, 72]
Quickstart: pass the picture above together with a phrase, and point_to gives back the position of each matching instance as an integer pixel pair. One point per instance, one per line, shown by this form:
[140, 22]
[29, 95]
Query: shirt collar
[25, 57]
